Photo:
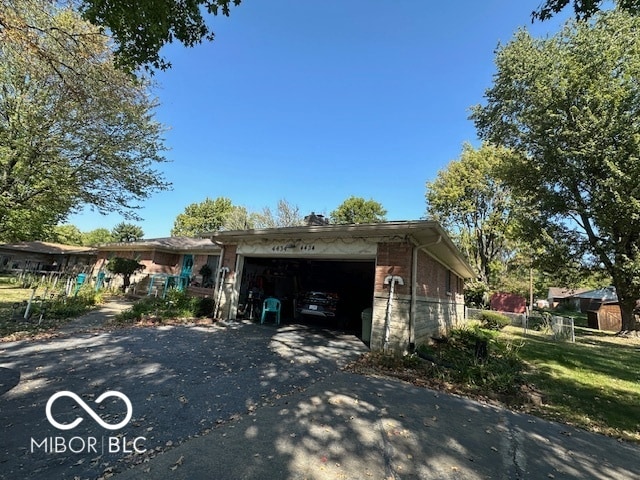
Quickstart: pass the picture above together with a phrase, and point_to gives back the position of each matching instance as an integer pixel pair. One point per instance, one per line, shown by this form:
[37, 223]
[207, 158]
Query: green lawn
[593, 383]
[12, 324]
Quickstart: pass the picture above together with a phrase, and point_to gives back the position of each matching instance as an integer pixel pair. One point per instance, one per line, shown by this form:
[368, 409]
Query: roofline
[409, 228]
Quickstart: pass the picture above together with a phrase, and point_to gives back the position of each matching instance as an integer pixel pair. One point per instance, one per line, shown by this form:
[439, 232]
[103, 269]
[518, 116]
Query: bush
[494, 320]
[176, 304]
[475, 359]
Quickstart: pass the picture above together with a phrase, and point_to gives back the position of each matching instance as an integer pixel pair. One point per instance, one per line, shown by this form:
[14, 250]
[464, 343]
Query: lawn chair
[271, 305]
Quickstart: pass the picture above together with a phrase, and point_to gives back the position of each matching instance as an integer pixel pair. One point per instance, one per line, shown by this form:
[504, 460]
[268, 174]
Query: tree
[469, 200]
[206, 216]
[142, 27]
[358, 210]
[239, 219]
[583, 8]
[66, 234]
[96, 237]
[126, 232]
[286, 215]
[74, 130]
[124, 267]
[569, 105]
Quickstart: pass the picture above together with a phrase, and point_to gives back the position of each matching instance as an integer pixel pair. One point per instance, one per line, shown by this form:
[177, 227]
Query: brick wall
[439, 302]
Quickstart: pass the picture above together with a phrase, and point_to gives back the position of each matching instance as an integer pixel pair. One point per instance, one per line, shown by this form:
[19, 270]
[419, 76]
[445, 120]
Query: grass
[13, 299]
[593, 383]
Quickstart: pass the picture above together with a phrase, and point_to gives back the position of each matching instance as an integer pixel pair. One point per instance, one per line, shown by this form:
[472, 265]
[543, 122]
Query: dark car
[317, 304]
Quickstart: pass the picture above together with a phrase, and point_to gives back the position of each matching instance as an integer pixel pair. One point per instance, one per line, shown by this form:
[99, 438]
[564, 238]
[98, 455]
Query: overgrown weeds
[471, 360]
[176, 305]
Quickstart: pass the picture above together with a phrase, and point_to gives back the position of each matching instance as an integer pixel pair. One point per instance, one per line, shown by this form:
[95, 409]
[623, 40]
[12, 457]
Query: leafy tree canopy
[569, 106]
[470, 201]
[74, 130]
[66, 234]
[142, 27]
[206, 216]
[286, 215]
[126, 232]
[96, 237]
[124, 267]
[582, 8]
[358, 210]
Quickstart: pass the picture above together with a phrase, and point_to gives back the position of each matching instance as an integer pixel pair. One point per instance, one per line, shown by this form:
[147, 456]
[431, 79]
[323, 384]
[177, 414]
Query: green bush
[176, 304]
[475, 358]
[493, 320]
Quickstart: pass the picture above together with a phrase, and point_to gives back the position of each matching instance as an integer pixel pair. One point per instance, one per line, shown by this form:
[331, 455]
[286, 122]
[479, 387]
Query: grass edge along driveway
[593, 383]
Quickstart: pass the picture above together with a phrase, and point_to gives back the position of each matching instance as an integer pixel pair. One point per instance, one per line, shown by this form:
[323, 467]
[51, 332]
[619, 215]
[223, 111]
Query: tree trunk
[627, 307]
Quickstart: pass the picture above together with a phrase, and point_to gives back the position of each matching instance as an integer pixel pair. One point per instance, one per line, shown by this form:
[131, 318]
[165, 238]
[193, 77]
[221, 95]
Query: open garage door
[326, 293]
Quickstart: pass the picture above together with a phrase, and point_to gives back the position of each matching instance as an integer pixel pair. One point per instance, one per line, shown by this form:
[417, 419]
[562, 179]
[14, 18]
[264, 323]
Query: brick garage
[416, 258]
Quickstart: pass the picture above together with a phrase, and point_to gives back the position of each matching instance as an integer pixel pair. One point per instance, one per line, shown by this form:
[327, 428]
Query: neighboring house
[508, 302]
[177, 259]
[44, 257]
[591, 300]
[405, 278]
[564, 297]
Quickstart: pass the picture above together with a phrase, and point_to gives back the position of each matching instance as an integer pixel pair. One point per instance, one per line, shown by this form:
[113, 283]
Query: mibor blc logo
[91, 444]
[86, 408]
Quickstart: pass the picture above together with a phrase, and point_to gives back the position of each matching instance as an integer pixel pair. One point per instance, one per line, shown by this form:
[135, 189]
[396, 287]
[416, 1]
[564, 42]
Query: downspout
[414, 289]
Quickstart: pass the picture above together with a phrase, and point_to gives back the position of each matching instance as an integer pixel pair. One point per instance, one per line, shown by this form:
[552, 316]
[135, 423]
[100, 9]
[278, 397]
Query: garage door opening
[326, 293]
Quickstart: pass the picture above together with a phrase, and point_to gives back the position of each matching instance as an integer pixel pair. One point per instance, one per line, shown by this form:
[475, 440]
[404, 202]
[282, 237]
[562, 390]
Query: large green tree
[74, 130]
[126, 232]
[358, 210]
[96, 237]
[470, 201]
[206, 216]
[570, 106]
[582, 8]
[139, 28]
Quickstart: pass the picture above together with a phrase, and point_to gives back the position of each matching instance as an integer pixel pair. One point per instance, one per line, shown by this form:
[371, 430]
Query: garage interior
[288, 279]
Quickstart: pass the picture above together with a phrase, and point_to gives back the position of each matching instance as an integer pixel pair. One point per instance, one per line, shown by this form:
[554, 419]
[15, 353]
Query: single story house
[559, 297]
[591, 300]
[169, 259]
[44, 257]
[398, 283]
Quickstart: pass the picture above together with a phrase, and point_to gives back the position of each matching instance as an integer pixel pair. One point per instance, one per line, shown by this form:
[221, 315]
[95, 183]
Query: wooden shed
[607, 317]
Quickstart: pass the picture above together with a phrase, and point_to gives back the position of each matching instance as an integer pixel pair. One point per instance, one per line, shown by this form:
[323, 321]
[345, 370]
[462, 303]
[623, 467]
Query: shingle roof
[47, 248]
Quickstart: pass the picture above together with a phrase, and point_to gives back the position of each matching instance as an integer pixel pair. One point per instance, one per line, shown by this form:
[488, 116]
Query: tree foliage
[66, 235]
[74, 130]
[469, 200]
[358, 210]
[124, 267]
[206, 216]
[96, 237]
[142, 27]
[582, 8]
[286, 215]
[126, 232]
[570, 106]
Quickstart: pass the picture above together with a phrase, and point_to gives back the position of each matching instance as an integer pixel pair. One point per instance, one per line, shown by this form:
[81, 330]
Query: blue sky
[317, 100]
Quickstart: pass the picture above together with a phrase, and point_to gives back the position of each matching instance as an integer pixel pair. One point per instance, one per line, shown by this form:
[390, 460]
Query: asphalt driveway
[255, 402]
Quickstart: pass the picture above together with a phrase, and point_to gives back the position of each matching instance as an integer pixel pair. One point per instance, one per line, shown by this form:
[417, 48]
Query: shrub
[477, 360]
[494, 320]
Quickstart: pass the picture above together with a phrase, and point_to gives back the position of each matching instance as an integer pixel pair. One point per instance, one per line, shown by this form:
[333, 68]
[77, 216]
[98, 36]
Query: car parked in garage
[317, 304]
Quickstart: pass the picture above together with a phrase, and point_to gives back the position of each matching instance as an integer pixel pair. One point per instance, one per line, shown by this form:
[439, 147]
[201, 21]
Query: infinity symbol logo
[86, 408]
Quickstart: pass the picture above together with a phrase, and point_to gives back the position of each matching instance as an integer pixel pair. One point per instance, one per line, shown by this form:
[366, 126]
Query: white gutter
[414, 288]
